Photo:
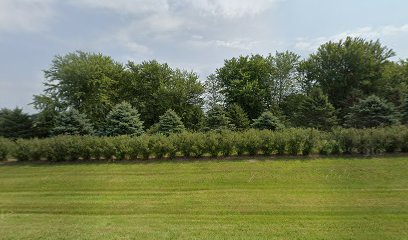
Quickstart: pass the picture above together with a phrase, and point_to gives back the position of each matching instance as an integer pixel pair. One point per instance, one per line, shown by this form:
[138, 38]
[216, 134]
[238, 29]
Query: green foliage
[292, 141]
[72, 123]
[15, 124]
[245, 81]
[347, 70]
[162, 146]
[217, 119]
[170, 123]
[284, 78]
[316, 111]
[371, 112]
[123, 120]
[83, 81]
[237, 117]
[267, 121]
[153, 88]
[404, 111]
[6, 146]
[394, 82]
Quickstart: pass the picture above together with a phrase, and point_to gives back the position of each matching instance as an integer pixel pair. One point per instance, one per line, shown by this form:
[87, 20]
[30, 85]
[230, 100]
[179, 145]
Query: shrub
[5, 148]
[295, 141]
[212, 143]
[226, 142]
[122, 147]
[162, 146]
[312, 139]
[268, 142]
[251, 141]
[281, 142]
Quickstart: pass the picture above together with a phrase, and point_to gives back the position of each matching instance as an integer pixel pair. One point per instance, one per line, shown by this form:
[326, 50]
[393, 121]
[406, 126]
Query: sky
[195, 35]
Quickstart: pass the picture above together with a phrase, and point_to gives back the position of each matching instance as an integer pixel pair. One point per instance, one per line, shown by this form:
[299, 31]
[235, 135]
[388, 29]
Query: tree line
[350, 83]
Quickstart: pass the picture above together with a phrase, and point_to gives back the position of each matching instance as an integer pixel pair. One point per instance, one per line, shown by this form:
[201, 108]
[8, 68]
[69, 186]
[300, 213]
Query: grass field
[287, 199]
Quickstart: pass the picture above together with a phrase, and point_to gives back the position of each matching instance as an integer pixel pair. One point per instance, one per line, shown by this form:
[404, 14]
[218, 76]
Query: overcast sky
[190, 34]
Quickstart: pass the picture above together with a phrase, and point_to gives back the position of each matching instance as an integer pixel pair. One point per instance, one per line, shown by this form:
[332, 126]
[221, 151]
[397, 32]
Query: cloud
[232, 8]
[25, 15]
[365, 32]
[223, 8]
[240, 44]
[125, 6]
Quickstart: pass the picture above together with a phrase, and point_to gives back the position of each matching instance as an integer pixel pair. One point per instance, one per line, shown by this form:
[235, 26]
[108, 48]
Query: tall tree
[153, 88]
[245, 81]
[83, 81]
[394, 82]
[284, 77]
[72, 122]
[123, 119]
[213, 92]
[15, 124]
[347, 70]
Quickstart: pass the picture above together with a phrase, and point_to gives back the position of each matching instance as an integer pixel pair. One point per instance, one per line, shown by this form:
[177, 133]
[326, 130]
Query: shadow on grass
[181, 160]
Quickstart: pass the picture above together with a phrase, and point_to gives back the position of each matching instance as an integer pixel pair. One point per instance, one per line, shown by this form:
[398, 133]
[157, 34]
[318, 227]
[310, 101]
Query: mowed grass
[345, 198]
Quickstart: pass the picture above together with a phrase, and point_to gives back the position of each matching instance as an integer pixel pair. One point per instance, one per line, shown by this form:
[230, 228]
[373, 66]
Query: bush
[5, 148]
[226, 142]
[252, 142]
[312, 140]
[269, 144]
[295, 141]
[212, 143]
[162, 146]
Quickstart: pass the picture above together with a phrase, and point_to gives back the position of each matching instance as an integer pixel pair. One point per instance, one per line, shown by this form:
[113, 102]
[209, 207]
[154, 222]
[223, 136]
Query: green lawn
[285, 199]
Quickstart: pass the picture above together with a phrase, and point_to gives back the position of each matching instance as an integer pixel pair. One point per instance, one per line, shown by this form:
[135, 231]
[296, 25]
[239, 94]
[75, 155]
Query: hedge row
[224, 143]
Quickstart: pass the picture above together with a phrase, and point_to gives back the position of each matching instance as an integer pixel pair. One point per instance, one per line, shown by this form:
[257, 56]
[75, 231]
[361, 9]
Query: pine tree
[371, 112]
[317, 111]
[267, 121]
[15, 124]
[404, 111]
[123, 119]
[170, 123]
[72, 122]
[217, 119]
[238, 117]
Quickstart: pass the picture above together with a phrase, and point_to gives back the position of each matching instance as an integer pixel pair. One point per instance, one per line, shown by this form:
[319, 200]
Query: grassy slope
[319, 199]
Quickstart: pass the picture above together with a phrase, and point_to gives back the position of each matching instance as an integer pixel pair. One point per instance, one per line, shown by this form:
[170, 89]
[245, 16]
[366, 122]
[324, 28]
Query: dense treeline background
[351, 83]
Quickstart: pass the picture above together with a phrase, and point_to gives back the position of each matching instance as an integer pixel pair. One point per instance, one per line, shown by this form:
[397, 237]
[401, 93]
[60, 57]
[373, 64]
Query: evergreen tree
[317, 111]
[15, 124]
[72, 122]
[404, 111]
[170, 122]
[267, 121]
[217, 118]
[238, 117]
[123, 119]
[371, 112]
